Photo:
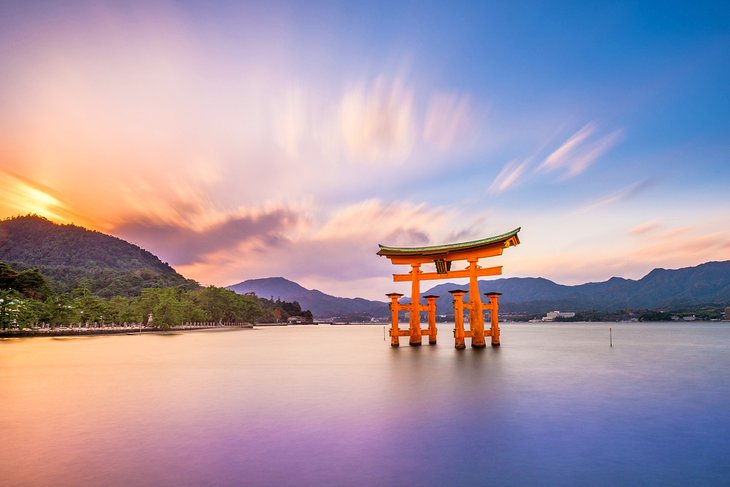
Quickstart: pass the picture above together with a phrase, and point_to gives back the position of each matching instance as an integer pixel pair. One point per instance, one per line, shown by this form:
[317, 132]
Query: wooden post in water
[415, 322]
[431, 306]
[476, 317]
[394, 308]
[459, 334]
[494, 315]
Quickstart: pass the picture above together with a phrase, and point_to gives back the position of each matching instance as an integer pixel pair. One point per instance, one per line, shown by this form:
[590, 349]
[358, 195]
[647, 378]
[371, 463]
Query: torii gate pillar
[459, 332]
[476, 317]
[494, 316]
[415, 321]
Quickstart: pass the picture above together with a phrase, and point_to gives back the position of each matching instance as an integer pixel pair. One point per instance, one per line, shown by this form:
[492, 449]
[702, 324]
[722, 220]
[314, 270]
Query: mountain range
[705, 284]
[322, 305]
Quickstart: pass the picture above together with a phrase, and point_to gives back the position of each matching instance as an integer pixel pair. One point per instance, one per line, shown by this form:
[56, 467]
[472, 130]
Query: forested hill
[71, 255]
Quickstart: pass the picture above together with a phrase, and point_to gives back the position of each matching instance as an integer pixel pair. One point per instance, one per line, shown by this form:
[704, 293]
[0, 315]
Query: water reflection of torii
[443, 256]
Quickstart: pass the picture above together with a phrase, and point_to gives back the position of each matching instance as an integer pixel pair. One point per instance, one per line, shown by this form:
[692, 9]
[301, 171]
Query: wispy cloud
[644, 228]
[378, 122]
[581, 150]
[684, 246]
[448, 120]
[392, 223]
[622, 194]
[559, 157]
[508, 176]
[582, 161]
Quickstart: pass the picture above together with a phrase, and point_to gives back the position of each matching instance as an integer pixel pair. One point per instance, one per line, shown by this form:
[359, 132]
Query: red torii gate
[443, 256]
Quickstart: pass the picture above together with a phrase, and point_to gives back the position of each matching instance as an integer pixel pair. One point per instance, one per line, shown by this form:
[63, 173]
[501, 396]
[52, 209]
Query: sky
[240, 140]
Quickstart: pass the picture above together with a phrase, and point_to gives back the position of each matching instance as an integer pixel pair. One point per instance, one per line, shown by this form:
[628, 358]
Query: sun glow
[21, 197]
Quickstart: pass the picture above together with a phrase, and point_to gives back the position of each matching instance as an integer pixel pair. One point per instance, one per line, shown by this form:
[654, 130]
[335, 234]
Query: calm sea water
[555, 405]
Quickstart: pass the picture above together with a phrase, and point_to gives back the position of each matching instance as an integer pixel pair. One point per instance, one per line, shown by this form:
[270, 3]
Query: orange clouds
[380, 219]
[682, 246]
[645, 227]
[20, 196]
[185, 245]
[340, 249]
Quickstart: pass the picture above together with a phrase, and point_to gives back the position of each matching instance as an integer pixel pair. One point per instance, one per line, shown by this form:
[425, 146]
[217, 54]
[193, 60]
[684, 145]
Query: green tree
[59, 310]
[7, 276]
[120, 310]
[89, 308]
[29, 312]
[32, 284]
[169, 310]
[223, 305]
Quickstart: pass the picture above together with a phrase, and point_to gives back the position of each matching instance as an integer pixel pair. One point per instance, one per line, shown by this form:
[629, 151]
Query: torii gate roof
[442, 251]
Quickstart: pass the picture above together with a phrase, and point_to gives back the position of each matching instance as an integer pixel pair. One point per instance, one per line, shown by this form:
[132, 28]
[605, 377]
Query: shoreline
[109, 330]
[136, 330]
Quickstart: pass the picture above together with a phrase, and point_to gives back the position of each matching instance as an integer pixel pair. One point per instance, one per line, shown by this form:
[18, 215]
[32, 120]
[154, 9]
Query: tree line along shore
[29, 301]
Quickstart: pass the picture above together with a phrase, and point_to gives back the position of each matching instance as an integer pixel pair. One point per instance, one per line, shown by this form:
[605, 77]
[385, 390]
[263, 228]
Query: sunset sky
[238, 140]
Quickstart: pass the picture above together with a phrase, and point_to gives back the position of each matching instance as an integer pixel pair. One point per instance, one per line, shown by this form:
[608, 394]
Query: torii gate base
[416, 333]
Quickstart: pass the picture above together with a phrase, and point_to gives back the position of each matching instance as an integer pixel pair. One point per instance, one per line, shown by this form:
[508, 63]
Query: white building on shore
[553, 315]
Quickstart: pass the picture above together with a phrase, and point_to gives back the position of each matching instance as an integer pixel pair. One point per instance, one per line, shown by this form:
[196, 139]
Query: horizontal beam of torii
[432, 276]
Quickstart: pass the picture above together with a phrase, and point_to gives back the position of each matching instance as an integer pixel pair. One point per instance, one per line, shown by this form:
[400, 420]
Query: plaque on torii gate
[443, 256]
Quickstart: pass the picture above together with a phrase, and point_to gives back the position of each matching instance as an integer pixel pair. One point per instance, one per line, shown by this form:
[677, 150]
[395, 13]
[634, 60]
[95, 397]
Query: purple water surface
[335, 405]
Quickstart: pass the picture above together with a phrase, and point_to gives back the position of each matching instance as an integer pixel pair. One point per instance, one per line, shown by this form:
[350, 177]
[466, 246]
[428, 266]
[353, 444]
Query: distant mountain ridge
[704, 284]
[71, 255]
[322, 305]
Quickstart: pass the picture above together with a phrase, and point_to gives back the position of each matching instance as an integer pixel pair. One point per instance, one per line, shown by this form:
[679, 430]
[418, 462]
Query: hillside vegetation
[64, 274]
[71, 256]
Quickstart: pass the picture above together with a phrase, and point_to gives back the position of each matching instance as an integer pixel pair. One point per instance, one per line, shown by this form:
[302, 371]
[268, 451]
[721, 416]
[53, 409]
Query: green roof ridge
[454, 246]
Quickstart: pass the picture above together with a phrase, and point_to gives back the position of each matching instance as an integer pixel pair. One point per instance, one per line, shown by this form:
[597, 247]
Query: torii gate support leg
[476, 318]
[494, 315]
[415, 338]
[432, 331]
[394, 308]
[458, 319]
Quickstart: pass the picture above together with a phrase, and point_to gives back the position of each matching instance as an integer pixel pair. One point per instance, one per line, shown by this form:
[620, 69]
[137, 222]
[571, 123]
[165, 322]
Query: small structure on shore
[443, 256]
[556, 315]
